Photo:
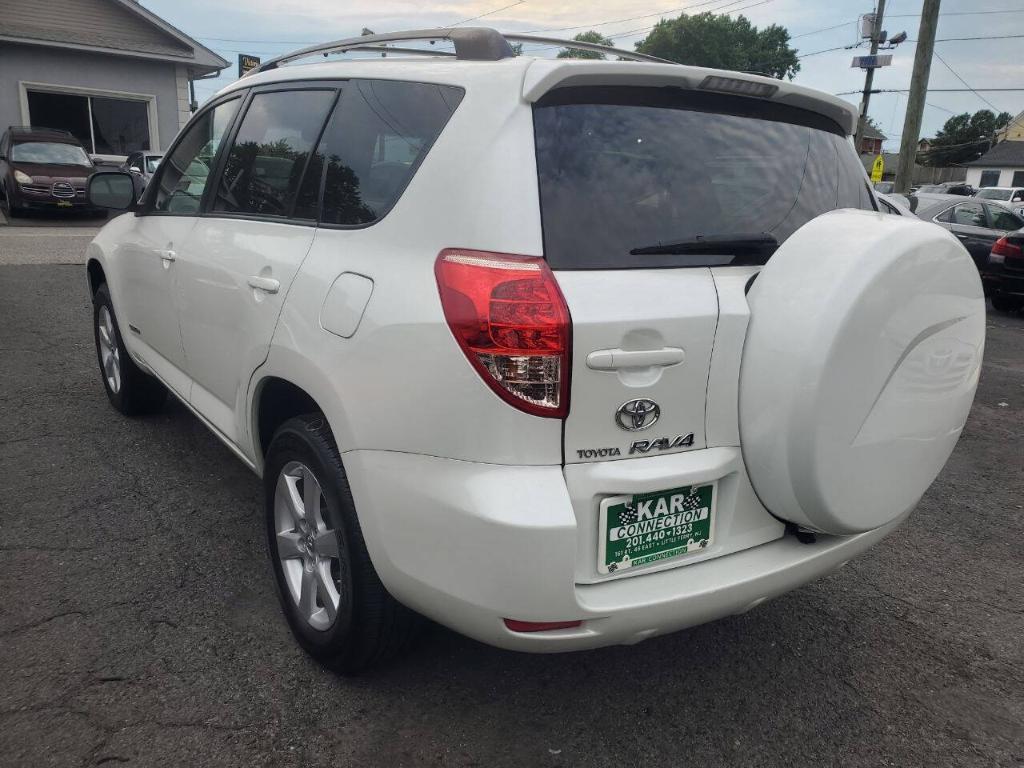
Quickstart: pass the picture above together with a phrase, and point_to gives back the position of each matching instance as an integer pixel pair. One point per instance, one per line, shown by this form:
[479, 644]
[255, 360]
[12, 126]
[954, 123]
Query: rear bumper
[471, 544]
[1010, 284]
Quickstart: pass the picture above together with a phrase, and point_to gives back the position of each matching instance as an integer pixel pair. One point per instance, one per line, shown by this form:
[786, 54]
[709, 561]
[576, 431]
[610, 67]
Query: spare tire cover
[859, 368]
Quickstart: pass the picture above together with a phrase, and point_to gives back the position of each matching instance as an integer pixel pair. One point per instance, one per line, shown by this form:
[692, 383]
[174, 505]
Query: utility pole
[869, 75]
[915, 99]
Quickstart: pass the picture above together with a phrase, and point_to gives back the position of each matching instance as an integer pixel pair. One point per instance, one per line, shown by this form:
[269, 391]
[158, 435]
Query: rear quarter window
[375, 141]
[624, 168]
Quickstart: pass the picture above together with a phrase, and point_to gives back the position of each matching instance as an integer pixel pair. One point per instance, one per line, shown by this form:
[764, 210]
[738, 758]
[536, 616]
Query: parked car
[1006, 263]
[42, 168]
[948, 188]
[895, 204]
[1012, 197]
[541, 349]
[977, 224]
[144, 164]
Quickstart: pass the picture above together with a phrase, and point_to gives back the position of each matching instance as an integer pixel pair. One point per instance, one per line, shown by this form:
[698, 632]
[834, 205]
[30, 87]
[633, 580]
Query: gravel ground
[138, 623]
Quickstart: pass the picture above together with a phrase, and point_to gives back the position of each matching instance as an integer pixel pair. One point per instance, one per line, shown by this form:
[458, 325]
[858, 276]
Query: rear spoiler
[545, 75]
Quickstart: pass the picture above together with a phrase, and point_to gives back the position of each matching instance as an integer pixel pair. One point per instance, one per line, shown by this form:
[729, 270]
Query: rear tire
[8, 210]
[347, 620]
[1007, 304]
[130, 390]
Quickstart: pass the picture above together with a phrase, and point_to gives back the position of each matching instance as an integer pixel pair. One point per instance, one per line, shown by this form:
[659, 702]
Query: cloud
[259, 27]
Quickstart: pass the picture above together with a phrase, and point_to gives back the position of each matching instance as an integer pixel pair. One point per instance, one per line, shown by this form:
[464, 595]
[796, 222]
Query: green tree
[870, 121]
[964, 137]
[586, 37]
[720, 41]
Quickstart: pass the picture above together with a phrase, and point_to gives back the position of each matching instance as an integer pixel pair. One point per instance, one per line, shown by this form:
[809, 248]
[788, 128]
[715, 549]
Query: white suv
[502, 337]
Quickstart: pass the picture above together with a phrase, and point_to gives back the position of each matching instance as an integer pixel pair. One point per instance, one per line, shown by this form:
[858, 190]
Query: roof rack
[471, 44]
[596, 47]
[38, 129]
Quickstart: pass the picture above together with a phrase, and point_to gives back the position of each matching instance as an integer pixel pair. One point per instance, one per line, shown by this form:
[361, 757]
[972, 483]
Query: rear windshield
[623, 169]
[994, 194]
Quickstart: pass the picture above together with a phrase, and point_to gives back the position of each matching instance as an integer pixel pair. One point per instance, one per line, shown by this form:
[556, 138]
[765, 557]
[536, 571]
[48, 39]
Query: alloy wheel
[110, 355]
[306, 546]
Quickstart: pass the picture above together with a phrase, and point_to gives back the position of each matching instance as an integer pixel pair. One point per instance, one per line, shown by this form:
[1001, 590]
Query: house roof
[1006, 154]
[119, 27]
[1017, 120]
[870, 132]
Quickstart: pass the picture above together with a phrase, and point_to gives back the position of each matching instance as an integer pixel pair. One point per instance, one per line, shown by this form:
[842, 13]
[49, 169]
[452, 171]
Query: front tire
[6, 208]
[1006, 304]
[336, 606]
[130, 390]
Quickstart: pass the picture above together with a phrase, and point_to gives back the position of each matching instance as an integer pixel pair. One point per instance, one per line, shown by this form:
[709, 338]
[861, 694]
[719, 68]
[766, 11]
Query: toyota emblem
[634, 415]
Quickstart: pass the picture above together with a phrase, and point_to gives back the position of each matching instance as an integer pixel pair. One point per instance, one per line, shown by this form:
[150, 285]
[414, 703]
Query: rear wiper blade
[739, 244]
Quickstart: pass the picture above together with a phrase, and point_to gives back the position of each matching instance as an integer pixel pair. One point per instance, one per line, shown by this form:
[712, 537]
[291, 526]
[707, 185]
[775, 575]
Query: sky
[267, 28]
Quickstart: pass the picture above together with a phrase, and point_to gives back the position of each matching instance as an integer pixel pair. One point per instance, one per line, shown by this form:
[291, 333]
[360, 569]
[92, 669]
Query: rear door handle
[265, 284]
[616, 359]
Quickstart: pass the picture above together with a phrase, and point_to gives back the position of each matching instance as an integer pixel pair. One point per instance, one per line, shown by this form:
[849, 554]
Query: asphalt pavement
[138, 622]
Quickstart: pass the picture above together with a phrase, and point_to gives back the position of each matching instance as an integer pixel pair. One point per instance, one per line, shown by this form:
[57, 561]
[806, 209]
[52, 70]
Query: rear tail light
[1002, 249]
[508, 315]
[540, 626]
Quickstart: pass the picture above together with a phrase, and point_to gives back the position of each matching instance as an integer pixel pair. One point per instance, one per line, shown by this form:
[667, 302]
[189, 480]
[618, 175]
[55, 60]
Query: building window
[989, 179]
[1018, 179]
[104, 125]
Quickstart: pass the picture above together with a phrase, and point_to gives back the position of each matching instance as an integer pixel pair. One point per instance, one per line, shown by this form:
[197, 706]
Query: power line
[661, 13]
[723, 7]
[957, 76]
[642, 16]
[978, 37]
[638, 30]
[826, 50]
[954, 13]
[489, 13]
[824, 29]
[905, 16]
[933, 90]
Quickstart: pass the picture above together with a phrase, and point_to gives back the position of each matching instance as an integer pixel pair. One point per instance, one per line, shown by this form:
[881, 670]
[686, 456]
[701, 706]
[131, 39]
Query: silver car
[144, 164]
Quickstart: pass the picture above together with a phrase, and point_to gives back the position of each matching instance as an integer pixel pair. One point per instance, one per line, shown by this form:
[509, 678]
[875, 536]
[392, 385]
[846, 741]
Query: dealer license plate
[649, 527]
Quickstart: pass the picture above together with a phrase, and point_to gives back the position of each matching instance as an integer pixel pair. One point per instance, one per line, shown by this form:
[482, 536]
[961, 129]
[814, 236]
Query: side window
[185, 171]
[969, 214]
[135, 161]
[946, 216]
[266, 162]
[378, 136]
[1004, 219]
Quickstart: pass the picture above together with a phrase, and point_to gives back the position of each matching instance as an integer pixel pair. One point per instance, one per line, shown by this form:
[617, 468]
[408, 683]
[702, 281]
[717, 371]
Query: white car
[558, 353]
[1011, 197]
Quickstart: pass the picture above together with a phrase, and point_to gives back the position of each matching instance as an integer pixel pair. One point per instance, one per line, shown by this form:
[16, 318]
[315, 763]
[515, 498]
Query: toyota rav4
[557, 353]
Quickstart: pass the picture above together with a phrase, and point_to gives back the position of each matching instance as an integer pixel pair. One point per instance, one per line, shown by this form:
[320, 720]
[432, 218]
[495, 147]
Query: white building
[111, 72]
[1001, 166]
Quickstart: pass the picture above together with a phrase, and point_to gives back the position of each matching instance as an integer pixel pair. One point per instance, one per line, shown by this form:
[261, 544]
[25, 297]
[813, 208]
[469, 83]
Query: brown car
[42, 168]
